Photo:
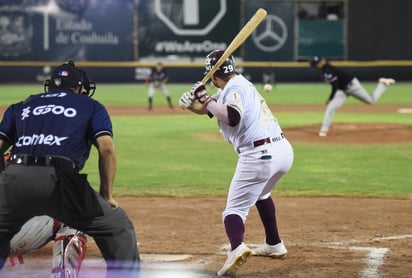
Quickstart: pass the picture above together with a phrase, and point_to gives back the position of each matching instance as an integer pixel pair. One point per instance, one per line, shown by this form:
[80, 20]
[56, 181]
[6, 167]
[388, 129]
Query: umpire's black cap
[66, 76]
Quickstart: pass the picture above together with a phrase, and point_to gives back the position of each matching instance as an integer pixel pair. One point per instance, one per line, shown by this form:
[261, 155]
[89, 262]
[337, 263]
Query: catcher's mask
[89, 87]
[68, 76]
[227, 68]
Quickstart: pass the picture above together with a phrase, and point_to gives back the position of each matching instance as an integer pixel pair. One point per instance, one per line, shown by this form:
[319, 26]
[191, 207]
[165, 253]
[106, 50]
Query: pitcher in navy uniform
[52, 134]
[344, 85]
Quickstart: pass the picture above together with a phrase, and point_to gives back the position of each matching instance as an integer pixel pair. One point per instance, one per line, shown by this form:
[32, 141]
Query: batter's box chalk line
[375, 255]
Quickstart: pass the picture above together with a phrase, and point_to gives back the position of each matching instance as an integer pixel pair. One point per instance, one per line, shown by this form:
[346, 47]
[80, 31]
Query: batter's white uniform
[265, 155]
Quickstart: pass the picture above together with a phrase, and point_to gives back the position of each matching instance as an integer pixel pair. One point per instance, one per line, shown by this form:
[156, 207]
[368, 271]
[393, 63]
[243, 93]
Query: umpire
[52, 134]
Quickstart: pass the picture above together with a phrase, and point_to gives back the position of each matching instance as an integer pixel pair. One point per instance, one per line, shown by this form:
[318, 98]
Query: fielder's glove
[187, 100]
[199, 92]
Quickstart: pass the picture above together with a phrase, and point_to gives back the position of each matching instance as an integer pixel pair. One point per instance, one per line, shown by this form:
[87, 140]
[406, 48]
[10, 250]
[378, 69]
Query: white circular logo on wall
[272, 35]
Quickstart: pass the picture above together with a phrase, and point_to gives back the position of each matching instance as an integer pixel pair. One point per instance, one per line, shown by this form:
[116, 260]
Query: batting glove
[199, 92]
[187, 100]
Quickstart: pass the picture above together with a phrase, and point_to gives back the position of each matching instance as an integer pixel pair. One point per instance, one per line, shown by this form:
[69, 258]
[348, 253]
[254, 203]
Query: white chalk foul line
[379, 238]
[376, 256]
[375, 259]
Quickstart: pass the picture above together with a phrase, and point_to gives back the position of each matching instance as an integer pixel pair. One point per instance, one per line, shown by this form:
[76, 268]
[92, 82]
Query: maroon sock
[235, 229]
[266, 209]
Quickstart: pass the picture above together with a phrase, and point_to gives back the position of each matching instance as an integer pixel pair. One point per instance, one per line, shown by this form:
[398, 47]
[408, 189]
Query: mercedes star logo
[272, 35]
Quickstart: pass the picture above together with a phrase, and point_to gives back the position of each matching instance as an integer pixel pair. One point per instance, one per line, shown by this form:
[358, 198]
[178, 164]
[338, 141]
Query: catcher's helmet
[316, 60]
[227, 68]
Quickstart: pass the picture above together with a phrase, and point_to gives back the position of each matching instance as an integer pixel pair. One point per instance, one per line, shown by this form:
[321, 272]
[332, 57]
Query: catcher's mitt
[157, 84]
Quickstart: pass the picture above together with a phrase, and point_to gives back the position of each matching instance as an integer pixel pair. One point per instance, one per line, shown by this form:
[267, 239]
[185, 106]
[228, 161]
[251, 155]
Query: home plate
[405, 110]
[156, 258]
[171, 266]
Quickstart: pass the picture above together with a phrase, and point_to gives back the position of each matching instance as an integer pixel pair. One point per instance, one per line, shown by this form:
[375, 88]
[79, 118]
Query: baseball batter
[157, 81]
[344, 85]
[264, 156]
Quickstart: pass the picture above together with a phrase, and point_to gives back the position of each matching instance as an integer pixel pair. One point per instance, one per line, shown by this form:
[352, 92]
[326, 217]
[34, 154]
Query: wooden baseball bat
[237, 41]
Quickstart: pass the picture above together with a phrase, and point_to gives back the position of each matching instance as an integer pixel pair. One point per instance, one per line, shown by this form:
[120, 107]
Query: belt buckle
[17, 159]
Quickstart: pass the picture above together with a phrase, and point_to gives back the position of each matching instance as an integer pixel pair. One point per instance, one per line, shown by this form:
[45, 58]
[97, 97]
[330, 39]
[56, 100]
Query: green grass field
[183, 155]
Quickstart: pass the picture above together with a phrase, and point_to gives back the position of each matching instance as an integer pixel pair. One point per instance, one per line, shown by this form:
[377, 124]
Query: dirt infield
[325, 237]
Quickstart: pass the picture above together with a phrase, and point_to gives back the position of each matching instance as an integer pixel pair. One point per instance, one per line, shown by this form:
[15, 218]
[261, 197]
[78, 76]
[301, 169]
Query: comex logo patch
[51, 108]
[39, 139]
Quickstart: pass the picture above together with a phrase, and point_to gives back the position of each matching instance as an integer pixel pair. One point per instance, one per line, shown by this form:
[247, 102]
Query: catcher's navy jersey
[60, 123]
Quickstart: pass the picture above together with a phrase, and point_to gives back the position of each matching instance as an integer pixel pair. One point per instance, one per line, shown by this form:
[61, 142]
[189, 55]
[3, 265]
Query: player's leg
[282, 159]
[358, 91]
[150, 95]
[383, 83]
[115, 236]
[34, 234]
[331, 108]
[166, 93]
[31, 192]
[69, 250]
[7, 231]
[273, 246]
[249, 181]
[85, 210]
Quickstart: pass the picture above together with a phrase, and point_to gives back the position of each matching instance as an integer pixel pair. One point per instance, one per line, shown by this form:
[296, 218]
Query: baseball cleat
[234, 260]
[276, 251]
[323, 134]
[387, 81]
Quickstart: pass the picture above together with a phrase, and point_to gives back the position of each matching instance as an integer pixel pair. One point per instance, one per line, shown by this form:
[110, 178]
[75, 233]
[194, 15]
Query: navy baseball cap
[315, 60]
[66, 76]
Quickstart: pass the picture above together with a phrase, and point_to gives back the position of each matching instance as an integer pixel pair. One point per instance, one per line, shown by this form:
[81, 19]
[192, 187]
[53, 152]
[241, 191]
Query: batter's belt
[260, 142]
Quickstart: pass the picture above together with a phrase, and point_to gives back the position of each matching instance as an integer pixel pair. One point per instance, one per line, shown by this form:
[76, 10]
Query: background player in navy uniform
[52, 134]
[265, 155]
[343, 85]
[157, 81]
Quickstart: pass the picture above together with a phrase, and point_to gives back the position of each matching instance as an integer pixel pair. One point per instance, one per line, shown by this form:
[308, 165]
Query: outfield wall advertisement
[56, 30]
[187, 28]
[273, 38]
[121, 40]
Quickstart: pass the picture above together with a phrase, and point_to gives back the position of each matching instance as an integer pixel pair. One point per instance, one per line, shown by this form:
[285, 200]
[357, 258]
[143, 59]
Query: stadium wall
[140, 33]
[135, 72]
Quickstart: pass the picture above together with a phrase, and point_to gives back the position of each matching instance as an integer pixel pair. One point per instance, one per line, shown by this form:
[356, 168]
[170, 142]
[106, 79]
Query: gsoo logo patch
[51, 108]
